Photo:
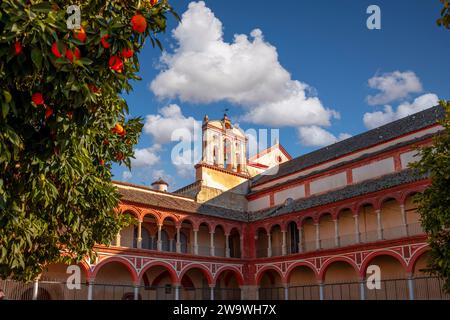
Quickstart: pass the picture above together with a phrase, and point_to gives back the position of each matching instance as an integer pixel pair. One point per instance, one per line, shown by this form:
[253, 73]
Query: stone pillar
[283, 244]
[362, 291]
[227, 245]
[269, 245]
[159, 241]
[195, 242]
[379, 225]
[178, 244]
[90, 290]
[212, 251]
[177, 291]
[357, 233]
[411, 286]
[136, 292]
[321, 290]
[336, 233]
[118, 236]
[317, 236]
[170, 244]
[212, 292]
[286, 292]
[139, 235]
[404, 220]
[35, 289]
[300, 239]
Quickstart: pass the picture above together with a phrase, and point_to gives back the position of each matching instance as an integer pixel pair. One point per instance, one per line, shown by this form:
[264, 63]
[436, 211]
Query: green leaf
[36, 56]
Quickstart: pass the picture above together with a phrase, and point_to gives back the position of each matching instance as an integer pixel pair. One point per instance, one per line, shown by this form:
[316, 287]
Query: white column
[227, 245]
[177, 292]
[170, 244]
[317, 236]
[283, 244]
[35, 289]
[159, 241]
[357, 233]
[212, 251]
[118, 236]
[336, 232]
[379, 225]
[286, 292]
[136, 292]
[300, 239]
[404, 220]
[411, 287]
[212, 292]
[178, 244]
[90, 289]
[321, 295]
[139, 236]
[195, 242]
[362, 291]
[269, 245]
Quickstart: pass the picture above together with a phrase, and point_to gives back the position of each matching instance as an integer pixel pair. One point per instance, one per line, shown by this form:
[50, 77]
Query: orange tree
[63, 124]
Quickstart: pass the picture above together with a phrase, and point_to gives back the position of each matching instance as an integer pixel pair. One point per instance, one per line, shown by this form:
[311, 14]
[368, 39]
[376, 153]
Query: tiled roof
[176, 202]
[369, 186]
[387, 132]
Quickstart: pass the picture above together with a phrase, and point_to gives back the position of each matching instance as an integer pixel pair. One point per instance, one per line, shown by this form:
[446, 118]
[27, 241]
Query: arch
[386, 198]
[120, 260]
[277, 224]
[324, 213]
[300, 264]
[375, 254]
[167, 266]
[261, 272]
[132, 212]
[235, 271]
[200, 267]
[153, 214]
[416, 256]
[326, 265]
[343, 209]
[205, 223]
[169, 216]
[365, 203]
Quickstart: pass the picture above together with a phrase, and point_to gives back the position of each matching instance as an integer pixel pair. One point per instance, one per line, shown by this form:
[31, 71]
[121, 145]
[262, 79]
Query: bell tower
[224, 146]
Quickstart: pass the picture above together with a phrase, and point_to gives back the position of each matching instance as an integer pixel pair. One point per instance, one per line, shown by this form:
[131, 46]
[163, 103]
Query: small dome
[160, 185]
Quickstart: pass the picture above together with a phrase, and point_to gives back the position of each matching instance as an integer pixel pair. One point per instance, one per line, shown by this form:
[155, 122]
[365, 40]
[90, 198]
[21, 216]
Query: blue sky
[317, 56]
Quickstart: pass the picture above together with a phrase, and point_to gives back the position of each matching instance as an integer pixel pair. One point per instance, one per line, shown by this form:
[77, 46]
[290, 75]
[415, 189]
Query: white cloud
[168, 122]
[146, 157]
[246, 72]
[393, 86]
[127, 175]
[314, 136]
[379, 118]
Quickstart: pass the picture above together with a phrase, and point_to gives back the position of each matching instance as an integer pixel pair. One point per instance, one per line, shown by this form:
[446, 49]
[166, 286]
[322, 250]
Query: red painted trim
[120, 260]
[328, 263]
[368, 259]
[349, 176]
[200, 267]
[237, 274]
[166, 266]
[270, 149]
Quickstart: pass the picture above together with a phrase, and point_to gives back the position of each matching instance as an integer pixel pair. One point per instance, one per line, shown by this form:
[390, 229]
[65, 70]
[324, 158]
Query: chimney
[160, 185]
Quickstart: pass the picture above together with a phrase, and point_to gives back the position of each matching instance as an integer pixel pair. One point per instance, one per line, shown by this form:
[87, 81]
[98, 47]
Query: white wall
[294, 193]
[328, 183]
[374, 169]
